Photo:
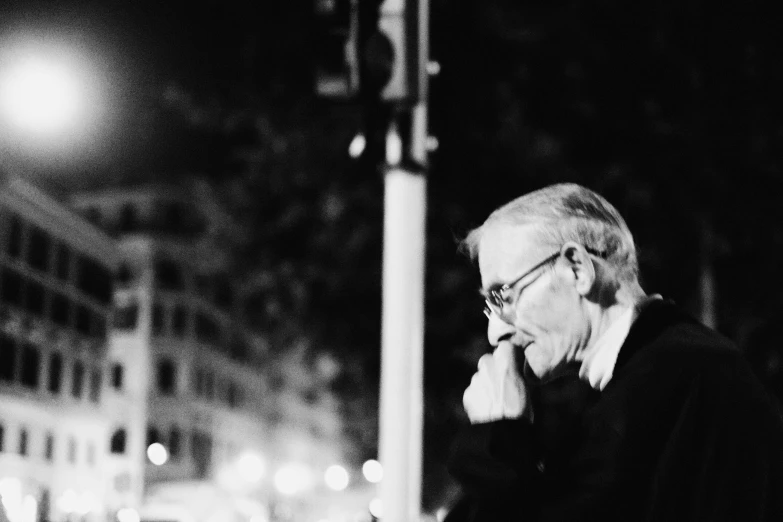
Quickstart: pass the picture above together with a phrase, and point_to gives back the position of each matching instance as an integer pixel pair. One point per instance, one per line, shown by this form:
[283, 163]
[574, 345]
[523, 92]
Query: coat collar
[654, 318]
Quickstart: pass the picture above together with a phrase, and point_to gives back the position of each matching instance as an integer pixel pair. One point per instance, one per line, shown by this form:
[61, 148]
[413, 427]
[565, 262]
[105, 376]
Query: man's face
[546, 318]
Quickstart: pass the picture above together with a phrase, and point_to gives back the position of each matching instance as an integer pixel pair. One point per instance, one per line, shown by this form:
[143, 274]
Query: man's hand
[496, 390]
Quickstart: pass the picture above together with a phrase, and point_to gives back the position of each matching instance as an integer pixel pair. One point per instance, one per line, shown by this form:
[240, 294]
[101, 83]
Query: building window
[93, 215]
[117, 443]
[72, 450]
[95, 385]
[78, 379]
[55, 372]
[209, 385]
[11, 287]
[23, 442]
[174, 217]
[239, 349]
[201, 449]
[98, 325]
[63, 262]
[126, 316]
[61, 310]
[117, 371]
[180, 321]
[224, 295]
[103, 289]
[175, 443]
[35, 298]
[127, 218]
[31, 365]
[167, 376]
[207, 330]
[234, 395]
[15, 238]
[168, 275]
[8, 355]
[90, 453]
[94, 279]
[158, 318]
[205, 286]
[49, 447]
[153, 435]
[39, 249]
[44, 500]
[310, 397]
[198, 382]
[83, 320]
[124, 274]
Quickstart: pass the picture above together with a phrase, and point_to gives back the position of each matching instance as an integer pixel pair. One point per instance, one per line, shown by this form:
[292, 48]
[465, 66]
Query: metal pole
[402, 350]
[402, 345]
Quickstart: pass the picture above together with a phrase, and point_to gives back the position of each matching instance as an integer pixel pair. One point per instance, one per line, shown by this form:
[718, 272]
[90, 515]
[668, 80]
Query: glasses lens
[493, 307]
[487, 309]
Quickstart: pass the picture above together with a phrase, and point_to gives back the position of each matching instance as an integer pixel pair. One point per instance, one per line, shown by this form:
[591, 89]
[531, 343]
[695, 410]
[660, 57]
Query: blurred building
[233, 418]
[55, 302]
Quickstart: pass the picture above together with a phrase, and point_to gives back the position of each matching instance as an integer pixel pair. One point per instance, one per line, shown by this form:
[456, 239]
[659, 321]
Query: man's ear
[580, 266]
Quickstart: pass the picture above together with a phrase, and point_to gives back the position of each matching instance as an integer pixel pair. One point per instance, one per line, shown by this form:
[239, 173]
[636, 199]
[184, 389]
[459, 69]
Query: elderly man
[680, 429]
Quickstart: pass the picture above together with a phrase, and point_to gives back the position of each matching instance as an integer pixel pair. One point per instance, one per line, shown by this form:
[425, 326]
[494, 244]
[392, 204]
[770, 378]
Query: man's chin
[536, 373]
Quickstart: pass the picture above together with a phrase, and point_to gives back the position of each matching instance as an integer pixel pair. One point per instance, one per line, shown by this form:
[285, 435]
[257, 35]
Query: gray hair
[568, 212]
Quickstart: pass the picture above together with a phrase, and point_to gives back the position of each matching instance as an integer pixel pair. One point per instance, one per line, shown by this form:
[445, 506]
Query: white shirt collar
[598, 366]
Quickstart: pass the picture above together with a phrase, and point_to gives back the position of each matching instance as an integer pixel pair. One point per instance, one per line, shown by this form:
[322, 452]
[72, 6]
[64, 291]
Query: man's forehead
[505, 250]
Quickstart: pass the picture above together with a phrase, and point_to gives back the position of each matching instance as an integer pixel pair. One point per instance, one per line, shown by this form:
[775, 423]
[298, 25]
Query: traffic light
[398, 32]
[368, 47]
[336, 47]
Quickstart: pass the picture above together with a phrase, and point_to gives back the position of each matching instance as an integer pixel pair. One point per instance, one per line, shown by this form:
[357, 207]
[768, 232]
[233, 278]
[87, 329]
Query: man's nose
[498, 330]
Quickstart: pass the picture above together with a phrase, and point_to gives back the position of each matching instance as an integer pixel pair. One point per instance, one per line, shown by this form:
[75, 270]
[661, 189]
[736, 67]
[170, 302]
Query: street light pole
[402, 350]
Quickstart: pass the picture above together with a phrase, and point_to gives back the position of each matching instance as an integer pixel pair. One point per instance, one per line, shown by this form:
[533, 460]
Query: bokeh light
[336, 477]
[376, 508]
[373, 471]
[251, 467]
[53, 97]
[293, 478]
[357, 146]
[40, 95]
[128, 515]
[157, 453]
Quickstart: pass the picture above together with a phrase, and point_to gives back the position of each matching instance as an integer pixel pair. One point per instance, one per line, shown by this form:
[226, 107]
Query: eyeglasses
[499, 301]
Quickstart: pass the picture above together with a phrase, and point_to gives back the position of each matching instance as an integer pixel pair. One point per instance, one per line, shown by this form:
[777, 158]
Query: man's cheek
[538, 359]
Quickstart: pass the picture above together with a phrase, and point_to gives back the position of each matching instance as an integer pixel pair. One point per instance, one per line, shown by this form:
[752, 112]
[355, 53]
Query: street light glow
[292, 479]
[393, 146]
[157, 453]
[251, 467]
[336, 477]
[373, 471]
[53, 103]
[128, 515]
[358, 143]
[39, 95]
[85, 503]
[68, 501]
[376, 508]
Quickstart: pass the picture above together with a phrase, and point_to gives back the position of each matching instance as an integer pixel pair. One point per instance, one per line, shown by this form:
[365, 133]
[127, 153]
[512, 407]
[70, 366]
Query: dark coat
[683, 431]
